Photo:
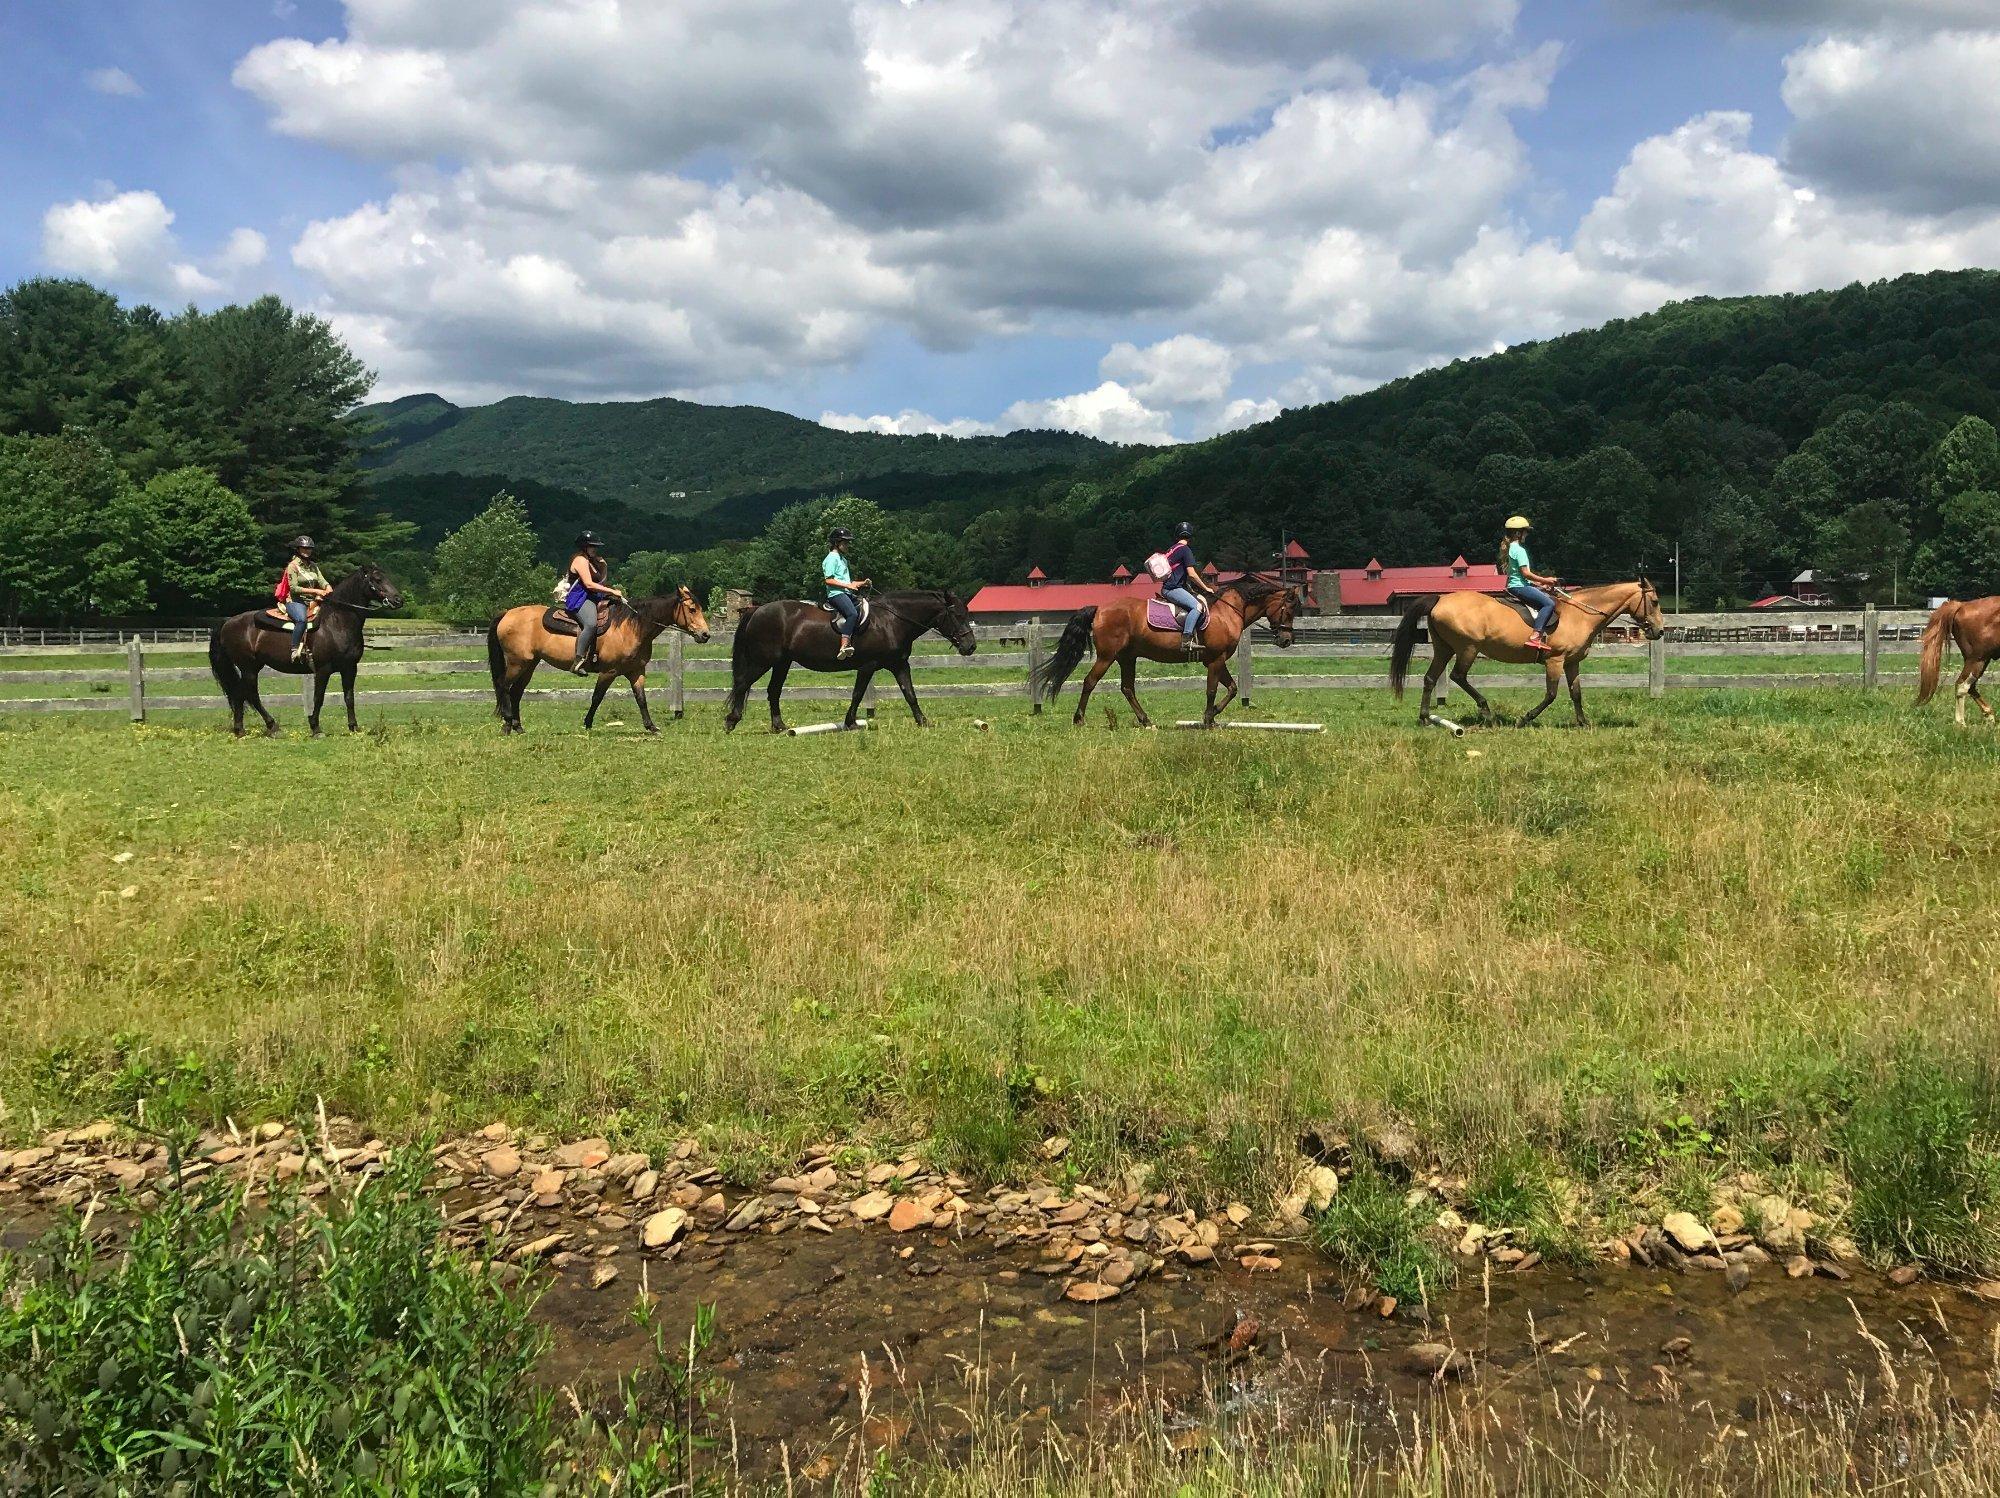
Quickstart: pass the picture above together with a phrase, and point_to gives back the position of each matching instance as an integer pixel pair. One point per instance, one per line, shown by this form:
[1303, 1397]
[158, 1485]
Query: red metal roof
[1296, 553]
[1120, 573]
[1359, 590]
[1036, 575]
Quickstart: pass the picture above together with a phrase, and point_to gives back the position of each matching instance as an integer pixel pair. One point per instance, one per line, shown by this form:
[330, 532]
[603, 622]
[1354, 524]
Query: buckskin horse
[524, 637]
[247, 643]
[1122, 632]
[1465, 626]
[791, 632]
[1973, 625]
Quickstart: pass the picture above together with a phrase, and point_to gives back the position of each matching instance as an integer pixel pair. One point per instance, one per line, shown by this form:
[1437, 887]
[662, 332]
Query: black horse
[789, 632]
[242, 646]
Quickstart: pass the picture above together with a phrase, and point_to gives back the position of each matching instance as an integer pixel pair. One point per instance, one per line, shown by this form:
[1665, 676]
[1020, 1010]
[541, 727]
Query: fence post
[306, 696]
[676, 673]
[1871, 647]
[1656, 666]
[1245, 671]
[135, 678]
[1034, 661]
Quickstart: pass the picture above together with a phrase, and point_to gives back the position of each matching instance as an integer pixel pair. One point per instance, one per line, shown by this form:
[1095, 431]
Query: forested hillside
[1763, 434]
[645, 453]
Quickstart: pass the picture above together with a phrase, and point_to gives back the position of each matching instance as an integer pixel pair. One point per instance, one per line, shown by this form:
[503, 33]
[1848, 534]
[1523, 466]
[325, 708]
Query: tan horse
[521, 639]
[1465, 626]
[1120, 632]
[1973, 625]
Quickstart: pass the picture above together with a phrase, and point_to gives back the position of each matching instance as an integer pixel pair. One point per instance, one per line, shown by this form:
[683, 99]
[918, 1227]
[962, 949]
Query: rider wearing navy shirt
[1183, 584]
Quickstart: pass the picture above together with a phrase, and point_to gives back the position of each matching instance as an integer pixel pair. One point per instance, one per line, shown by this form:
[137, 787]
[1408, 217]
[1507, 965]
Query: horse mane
[352, 583]
[1252, 587]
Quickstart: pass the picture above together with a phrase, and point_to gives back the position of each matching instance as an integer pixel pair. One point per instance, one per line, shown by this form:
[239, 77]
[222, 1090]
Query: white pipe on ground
[1260, 727]
[799, 733]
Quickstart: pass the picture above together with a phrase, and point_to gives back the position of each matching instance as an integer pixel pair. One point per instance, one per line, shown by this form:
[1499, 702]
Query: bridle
[880, 601]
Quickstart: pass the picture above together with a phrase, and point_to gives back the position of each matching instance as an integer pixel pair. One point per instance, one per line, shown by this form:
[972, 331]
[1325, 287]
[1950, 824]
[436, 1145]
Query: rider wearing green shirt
[1526, 584]
[841, 589]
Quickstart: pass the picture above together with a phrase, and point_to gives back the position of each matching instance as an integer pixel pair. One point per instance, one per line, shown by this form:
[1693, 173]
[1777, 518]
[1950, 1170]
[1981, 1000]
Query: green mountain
[1759, 435]
[677, 457]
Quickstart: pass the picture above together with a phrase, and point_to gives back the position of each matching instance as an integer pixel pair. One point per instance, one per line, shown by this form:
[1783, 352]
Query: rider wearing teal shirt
[841, 588]
[1526, 584]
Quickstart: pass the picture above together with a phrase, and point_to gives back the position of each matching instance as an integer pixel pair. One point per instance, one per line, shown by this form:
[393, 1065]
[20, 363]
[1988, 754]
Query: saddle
[867, 609]
[278, 619]
[1164, 614]
[560, 621]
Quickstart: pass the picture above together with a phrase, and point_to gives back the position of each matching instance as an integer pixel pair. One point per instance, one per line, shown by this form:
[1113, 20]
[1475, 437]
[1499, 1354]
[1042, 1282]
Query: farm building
[1042, 598]
[1378, 589]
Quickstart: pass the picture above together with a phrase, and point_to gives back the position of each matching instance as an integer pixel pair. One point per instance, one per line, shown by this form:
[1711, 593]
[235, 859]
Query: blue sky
[1149, 219]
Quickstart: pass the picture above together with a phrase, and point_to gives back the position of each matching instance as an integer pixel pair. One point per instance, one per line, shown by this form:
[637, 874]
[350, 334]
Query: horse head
[1275, 603]
[375, 587]
[1645, 610]
[689, 615]
[954, 622]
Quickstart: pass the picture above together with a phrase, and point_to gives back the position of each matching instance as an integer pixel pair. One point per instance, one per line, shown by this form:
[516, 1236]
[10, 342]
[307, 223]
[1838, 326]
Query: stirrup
[846, 651]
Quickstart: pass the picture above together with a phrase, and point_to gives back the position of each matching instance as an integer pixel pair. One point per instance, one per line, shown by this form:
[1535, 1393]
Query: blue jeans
[847, 614]
[1196, 610]
[1543, 605]
[295, 609]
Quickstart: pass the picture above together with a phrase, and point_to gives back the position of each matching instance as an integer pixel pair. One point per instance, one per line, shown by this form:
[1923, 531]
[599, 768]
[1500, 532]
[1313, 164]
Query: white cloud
[127, 239]
[594, 199]
[1911, 124]
[1848, 14]
[113, 81]
[908, 423]
[1110, 411]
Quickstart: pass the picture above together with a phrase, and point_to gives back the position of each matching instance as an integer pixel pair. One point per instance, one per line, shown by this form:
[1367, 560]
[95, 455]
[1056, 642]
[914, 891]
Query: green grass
[1686, 943]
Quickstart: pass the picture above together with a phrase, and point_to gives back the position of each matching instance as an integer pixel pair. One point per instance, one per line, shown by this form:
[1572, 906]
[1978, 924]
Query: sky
[1149, 220]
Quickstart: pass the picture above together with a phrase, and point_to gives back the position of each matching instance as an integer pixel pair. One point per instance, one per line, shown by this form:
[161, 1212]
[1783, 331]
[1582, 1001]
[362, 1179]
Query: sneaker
[846, 649]
[298, 653]
[1536, 642]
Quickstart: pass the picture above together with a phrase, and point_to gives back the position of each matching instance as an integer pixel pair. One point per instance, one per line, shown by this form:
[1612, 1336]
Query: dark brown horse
[1120, 632]
[522, 638]
[790, 632]
[1465, 626]
[1973, 625]
[245, 644]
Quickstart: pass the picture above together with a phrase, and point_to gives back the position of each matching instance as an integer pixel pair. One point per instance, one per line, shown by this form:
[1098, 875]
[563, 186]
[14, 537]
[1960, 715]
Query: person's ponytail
[1502, 560]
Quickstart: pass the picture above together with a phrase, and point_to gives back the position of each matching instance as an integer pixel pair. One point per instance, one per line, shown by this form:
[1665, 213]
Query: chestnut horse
[246, 644]
[1465, 626]
[520, 639]
[1120, 632]
[1973, 625]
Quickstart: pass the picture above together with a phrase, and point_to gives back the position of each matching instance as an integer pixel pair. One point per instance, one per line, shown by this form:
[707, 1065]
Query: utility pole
[1677, 575]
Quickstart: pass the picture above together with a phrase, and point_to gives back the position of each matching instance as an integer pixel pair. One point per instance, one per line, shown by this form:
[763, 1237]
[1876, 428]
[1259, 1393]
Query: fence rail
[1856, 638]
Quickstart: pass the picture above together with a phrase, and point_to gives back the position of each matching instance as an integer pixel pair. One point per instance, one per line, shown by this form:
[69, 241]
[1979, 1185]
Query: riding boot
[1536, 642]
[298, 652]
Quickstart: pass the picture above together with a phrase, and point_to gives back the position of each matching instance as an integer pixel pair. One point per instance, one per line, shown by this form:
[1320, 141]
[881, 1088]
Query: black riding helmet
[588, 539]
[1184, 531]
[303, 545]
[839, 534]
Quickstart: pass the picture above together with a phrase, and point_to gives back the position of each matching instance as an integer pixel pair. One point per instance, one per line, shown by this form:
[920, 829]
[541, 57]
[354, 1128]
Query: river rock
[1677, 1347]
[1904, 1275]
[665, 1226]
[547, 1183]
[1736, 1277]
[1687, 1232]
[1393, 1144]
[1318, 1185]
[1727, 1221]
[1089, 1291]
[1798, 1267]
[624, 1167]
[503, 1163]
[907, 1214]
[603, 1275]
[875, 1204]
[747, 1215]
[645, 1184]
[1436, 1360]
[584, 1154]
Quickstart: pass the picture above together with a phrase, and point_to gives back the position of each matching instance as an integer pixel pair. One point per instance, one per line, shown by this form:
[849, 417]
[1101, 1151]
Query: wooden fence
[1854, 638]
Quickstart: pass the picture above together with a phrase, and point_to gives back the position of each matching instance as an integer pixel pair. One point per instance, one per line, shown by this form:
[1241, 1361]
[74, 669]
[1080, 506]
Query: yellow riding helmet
[1517, 523]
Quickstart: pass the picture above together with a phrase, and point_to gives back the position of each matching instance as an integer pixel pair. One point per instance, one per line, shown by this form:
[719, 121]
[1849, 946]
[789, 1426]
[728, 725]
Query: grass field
[1718, 932]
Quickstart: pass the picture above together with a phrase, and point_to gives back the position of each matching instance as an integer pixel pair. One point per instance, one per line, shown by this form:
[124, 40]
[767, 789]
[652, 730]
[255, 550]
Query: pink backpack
[1158, 565]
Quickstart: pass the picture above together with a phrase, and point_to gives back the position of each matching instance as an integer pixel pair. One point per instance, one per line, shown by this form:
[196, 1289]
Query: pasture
[1722, 931]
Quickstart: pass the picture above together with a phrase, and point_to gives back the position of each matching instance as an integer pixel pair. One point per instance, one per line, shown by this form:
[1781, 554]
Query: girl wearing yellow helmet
[1526, 584]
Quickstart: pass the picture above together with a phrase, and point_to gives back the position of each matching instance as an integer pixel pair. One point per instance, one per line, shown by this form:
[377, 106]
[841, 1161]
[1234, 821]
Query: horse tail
[496, 662]
[227, 676]
[1937, 634]
[1406, 641]
[1050, 675]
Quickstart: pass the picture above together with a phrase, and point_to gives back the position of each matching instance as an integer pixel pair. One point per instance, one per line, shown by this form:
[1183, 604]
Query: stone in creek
[1831, 1270]
[747, 1215]
[583, 1154]
[1237, 1213]
[1737, 1276]
[603, 1275]
[908, 1214]
[547, 1183]
[1074, 1212]
[1904, 1275]
[539, 1247]
[495, 1131]
[1120, 1272]
[1261, 1263]
[1088, 1291]
[646, 1183]
[289, 1166]
[1436, 1360]
[1798, 1267]
[1198, 1253]
[503, 1163]
[712, 1210]
[624, 1167]
[665, 1226]
[822, 1180]
[875, 1204]
[1687, 1232]
[1677, 1347]
[1726, 1221]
